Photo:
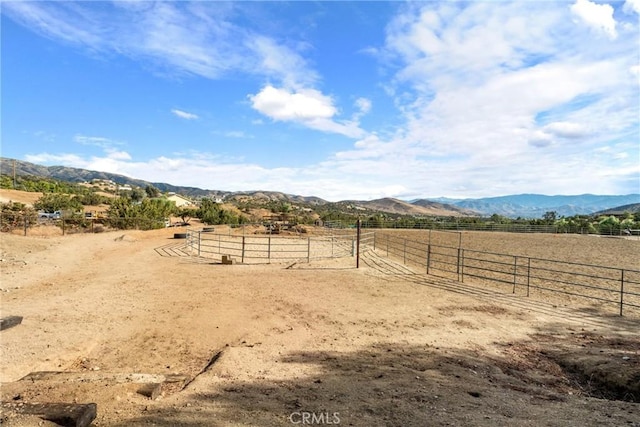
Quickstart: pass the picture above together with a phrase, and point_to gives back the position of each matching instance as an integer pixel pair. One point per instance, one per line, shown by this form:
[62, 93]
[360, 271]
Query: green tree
[149, 214]
[121, 213]
[499, 219]
[212, 213]
[550, 217]
[156, 209]
[93, 198]
[137, 194]
[152, 191]
[609, 225]
[14, 215]
[627, 223]
[209, 212]
[51, 202]
[185, 214]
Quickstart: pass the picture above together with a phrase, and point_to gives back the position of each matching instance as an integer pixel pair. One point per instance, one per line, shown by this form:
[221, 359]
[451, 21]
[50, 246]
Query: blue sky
[341, 100]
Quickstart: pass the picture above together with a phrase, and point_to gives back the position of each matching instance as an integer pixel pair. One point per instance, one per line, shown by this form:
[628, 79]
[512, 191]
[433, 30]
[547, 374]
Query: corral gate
[268, 249]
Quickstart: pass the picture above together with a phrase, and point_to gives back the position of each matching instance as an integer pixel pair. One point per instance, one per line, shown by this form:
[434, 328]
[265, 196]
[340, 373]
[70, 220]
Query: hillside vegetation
[126, 201]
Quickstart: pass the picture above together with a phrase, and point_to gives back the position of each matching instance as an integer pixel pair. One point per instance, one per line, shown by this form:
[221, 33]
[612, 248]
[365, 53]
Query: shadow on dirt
[390, 384]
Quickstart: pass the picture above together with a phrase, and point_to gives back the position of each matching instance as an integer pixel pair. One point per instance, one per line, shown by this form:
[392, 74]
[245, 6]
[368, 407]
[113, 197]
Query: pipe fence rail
[252, 249]
[512, 227]
[615, 287]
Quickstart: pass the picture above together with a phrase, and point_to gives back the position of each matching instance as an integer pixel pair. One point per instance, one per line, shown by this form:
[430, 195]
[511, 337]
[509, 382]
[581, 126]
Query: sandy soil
[266, 345]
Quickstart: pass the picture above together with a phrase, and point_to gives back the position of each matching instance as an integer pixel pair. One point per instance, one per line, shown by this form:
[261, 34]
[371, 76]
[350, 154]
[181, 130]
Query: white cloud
[631, 6]
[598, 16]
[185, 115]
[493, 98]
[540, 139]
[308, 107]
[281, 62]
[237, 134]
[58, 22]
[71, 160]
[118, 155]
[566, 129]
[98, 141]
[197, 38]
[282, 104]
[497, 94]
[363, 106]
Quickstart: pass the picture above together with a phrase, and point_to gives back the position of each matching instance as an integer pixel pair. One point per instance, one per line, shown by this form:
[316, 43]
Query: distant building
[181, 202]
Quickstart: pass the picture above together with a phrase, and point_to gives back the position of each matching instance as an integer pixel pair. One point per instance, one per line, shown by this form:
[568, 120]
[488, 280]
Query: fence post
[621, 290]
[63, 224]
[462, 264]
[458, 265]
[528, 274]
[515, 272]
[428, 256]
[404, 251]
[242, 250]
[199, 241]
[358, 235]
[25, 223]
[269, 249]
[332, 255]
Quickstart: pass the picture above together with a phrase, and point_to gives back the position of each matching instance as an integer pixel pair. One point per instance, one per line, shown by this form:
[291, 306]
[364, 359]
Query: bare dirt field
[278, 344]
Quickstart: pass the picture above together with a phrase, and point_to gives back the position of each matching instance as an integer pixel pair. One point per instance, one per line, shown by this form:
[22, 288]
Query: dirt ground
[322, 342]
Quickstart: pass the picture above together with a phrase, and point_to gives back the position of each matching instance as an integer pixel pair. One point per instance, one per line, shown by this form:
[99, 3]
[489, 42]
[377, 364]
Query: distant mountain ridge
[632, 208]
[520, 205]
[535, 205]
[425, 208]
[77, 175]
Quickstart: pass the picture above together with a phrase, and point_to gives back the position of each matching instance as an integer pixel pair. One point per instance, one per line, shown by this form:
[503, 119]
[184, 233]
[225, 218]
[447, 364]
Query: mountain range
[520, 205]
[536, 205]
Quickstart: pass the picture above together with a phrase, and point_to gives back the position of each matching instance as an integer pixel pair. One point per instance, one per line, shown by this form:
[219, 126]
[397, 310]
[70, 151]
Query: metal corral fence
[519, 274]
[443, 225]
[255, 249]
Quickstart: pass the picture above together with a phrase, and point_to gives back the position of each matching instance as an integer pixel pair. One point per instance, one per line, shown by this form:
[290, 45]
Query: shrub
[15, 215]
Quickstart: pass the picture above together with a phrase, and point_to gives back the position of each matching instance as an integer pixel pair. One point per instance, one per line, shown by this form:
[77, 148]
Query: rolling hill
[521, 205]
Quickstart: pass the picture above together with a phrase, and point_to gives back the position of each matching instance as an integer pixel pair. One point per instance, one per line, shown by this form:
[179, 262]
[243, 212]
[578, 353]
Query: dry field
[26, 197]
[614, 252]
[564, 269]
[266, 345]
